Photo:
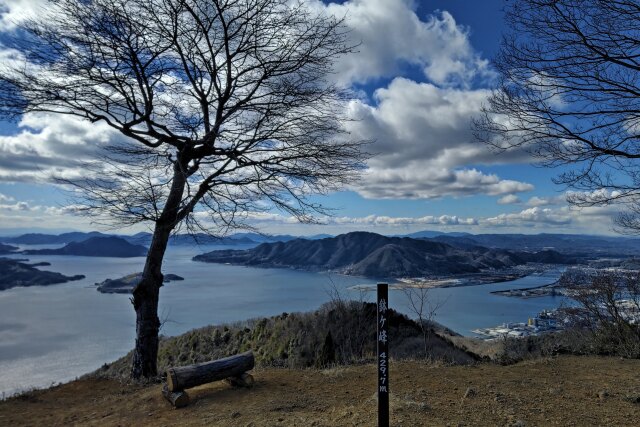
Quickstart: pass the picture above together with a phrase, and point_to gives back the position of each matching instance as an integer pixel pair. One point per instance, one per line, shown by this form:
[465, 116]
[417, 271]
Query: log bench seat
[232, 369]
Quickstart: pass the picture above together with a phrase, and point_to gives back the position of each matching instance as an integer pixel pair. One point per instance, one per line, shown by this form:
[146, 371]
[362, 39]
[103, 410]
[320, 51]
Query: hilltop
[552, 391]
[374, 255]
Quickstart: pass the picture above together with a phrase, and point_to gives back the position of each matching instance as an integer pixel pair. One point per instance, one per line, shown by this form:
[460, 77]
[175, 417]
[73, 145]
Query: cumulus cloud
[16, 207]
[365, 221]
[49, 145]
[509, 199]
[26, 207]
[536, 215]
[423, 182]
[600, 196]
[390, 35]
[422, 130]
[545, 201]
[423, 144]
[404, 221]
[72, 210]
[13, 12]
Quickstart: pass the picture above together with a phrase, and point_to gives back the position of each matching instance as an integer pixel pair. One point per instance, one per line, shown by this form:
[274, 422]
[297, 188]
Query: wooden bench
[232, 369]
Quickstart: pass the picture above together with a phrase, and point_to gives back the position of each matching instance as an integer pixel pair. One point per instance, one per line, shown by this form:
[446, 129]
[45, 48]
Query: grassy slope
[556, 391]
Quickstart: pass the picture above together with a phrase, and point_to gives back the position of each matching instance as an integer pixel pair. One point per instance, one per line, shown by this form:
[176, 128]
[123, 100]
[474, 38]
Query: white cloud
[592, 220]
[16, 207]
[403, 221]
[25, 207]
[424, 182]
[13, 12]
[423, 144]
[545, 201]
[509, 199]
[48, 145]
[63, 210]
[4, 198]
[390, 34]
[600, 196]
[534, 215]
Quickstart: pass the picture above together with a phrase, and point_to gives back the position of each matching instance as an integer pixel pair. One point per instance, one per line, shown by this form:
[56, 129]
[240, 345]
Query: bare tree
[424, 309]
[356, 317]
[608, 308]
[223, 106]
[570, 94]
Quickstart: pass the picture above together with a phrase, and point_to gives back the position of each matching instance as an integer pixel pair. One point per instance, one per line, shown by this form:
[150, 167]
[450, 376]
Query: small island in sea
[14, 273]
[109, 246]
[126, 284]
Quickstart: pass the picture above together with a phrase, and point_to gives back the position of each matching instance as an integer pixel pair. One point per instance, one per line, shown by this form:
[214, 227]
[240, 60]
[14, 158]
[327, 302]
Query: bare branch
[570, 94]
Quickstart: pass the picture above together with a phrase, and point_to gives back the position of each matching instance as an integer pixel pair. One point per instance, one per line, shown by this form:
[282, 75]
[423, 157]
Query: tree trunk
[145, 302]
[147, 292]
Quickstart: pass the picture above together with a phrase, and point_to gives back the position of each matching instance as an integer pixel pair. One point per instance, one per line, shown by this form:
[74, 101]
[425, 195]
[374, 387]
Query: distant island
[126, 284]
[96, 247]
[14, 273]
[7, 249]
[374, 255]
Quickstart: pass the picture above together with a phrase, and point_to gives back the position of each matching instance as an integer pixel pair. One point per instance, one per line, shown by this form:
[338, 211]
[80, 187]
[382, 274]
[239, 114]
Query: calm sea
[54, 334]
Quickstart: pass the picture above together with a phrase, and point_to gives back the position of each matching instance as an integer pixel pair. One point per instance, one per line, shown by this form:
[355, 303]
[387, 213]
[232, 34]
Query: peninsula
[374, 255]
[14, 273]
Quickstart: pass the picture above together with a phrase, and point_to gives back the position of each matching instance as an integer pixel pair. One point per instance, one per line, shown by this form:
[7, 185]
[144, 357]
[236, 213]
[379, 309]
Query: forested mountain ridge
[374, 255]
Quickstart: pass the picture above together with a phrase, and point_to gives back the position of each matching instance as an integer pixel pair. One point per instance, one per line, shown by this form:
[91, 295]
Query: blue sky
[422, 72]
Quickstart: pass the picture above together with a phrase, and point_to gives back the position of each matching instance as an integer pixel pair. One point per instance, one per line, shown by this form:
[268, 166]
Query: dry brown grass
[551, 391]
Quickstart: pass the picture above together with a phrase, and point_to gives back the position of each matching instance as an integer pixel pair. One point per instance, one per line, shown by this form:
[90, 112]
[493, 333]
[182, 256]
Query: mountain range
[144, 238]
[574, 244]
[95, 246]
[374, 255]
[580, 246]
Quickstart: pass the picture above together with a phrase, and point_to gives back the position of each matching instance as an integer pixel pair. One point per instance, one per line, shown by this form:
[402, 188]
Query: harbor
[547, 321]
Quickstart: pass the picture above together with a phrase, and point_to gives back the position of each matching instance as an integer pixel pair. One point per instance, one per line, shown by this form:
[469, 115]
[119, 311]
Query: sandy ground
[565, 391]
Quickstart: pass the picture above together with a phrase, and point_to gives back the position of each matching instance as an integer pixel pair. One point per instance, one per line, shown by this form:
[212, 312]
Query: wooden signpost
[383, 355]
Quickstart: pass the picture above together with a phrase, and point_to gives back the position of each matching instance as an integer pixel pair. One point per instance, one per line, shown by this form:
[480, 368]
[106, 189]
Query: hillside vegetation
[340, 332]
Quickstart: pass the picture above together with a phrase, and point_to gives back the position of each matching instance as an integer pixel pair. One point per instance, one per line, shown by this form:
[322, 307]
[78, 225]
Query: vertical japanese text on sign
[383, 355]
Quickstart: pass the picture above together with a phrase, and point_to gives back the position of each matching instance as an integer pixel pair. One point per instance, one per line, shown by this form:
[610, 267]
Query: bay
[56, 333]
